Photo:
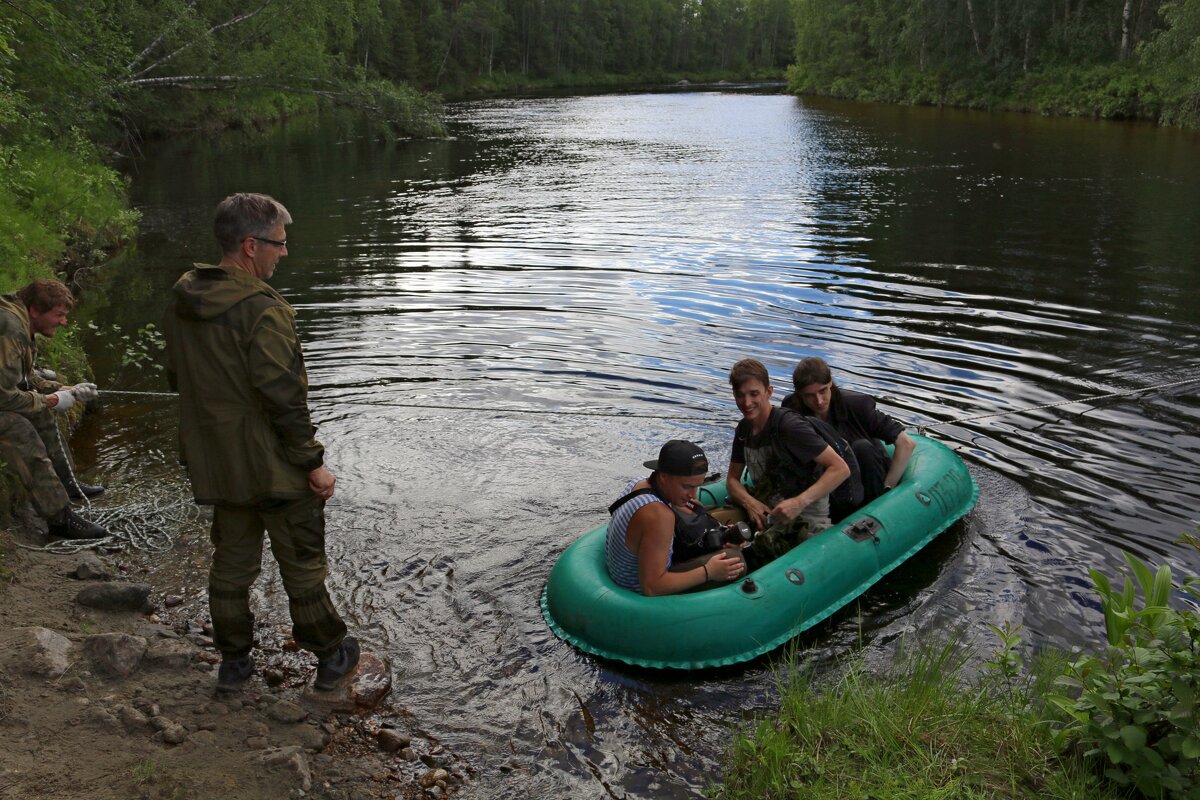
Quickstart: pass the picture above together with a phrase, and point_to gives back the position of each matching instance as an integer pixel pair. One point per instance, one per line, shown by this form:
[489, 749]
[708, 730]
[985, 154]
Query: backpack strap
[623, 500]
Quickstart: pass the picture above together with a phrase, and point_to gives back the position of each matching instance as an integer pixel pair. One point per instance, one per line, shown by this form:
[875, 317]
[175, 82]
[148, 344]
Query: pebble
[172, 600]
[115, 596]
[257, 742]
[432, 777]
[91, 568]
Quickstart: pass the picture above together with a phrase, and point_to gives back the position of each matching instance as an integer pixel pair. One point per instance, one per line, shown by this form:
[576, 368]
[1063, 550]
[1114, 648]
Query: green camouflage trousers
[30, 447]
[776, 540]
[297, 535]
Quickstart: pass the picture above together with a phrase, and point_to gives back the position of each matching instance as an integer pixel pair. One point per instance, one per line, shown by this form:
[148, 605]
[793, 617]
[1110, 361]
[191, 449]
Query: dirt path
[120, 704]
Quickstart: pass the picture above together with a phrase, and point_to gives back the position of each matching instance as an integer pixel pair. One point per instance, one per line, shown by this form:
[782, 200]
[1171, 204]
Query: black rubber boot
[337, 666]
[77, 490]
[69, 525]
[233, 673]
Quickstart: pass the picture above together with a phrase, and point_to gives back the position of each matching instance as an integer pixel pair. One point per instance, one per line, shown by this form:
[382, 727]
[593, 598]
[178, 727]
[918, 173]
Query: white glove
[65, 401]
[85, 392]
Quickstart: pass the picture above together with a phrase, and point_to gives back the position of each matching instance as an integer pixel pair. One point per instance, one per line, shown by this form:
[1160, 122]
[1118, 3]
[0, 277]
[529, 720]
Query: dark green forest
[1103, 58]
[83, 83]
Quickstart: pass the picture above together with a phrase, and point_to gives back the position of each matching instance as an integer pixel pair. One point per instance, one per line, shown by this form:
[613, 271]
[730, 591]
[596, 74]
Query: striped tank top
[622, 564]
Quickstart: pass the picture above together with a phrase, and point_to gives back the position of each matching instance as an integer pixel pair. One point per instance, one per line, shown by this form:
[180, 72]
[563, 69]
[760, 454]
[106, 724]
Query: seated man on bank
[792, 468]
[29, 440]
[854, 416]
[641, 542]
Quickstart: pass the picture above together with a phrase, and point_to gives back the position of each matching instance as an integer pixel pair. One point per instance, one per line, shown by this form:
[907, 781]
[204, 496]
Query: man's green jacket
[245, 432]
[21, 389]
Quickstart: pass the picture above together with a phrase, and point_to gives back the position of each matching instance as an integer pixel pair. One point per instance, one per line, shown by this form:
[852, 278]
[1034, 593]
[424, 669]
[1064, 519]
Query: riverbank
[107, 677]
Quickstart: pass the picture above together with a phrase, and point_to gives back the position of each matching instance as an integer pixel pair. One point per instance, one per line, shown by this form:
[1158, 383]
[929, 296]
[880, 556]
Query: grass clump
[921, 730]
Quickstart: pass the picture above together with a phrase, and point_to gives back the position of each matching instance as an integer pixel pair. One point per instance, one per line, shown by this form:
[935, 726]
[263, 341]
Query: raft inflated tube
[773, 604]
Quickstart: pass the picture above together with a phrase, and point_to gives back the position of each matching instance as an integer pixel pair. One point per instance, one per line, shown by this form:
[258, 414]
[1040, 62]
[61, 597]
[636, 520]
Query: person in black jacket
[855, 417]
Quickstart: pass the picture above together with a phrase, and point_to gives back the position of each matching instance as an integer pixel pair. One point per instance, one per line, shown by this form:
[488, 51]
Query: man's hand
[84, 392]
[789, 509]
[758, 512]
[62, 401]
[321, 482]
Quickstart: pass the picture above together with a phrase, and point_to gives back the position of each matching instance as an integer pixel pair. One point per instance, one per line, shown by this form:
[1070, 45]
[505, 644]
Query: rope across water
[152, 524]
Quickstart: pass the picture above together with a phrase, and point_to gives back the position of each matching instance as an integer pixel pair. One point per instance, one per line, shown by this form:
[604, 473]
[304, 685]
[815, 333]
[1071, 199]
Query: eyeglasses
[271, 241]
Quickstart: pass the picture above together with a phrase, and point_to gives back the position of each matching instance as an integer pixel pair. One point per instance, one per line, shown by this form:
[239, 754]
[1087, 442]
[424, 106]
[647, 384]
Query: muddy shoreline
[120, 702]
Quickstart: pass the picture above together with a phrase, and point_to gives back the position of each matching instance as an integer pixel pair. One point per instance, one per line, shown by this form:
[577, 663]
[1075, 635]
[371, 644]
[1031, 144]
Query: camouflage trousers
[778, 539]
[296, 530]
[30, 446]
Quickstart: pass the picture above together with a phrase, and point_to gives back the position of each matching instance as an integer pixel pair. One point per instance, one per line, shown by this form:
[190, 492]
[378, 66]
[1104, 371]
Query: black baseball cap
[679, 457]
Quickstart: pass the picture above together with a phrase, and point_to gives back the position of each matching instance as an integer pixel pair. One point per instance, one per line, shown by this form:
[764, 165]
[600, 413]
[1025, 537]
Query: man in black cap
[654, 517]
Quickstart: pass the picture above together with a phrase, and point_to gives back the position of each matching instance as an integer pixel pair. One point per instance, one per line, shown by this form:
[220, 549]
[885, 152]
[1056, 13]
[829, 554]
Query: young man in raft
[854, 416]
[640, 544]
[792, 467]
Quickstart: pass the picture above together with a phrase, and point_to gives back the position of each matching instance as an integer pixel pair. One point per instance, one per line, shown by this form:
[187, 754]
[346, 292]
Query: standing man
[248, 441]
[792, 467]
[28, 433]
[855, 417]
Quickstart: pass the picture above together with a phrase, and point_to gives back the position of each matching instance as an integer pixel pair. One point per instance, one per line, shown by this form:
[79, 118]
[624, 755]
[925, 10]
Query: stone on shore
[391, 741]
[115, 653]
[115, 596]
[362, 690]
[290, 759]
[287, 711]
[91, 568]
[38, 651]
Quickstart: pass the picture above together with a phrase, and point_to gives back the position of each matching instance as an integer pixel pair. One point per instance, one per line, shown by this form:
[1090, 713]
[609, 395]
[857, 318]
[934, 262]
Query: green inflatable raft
[752, 616]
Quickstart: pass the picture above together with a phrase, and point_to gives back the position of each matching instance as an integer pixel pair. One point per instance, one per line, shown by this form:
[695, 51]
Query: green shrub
[1137, 707]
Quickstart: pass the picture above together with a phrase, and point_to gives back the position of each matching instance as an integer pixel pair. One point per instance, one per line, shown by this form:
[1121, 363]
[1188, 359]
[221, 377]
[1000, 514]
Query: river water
[600, 262]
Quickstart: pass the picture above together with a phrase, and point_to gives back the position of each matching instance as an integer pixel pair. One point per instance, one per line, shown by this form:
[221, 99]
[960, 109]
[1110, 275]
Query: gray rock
[91, 568]
[103, 717]
[292, 760]
[115, 596]
[408, 754]
[257, 742]
[161, 723]
[131, 718]
[391, 741]
[175, 734]
[169, 654]
[204, 738]
[257, 728]
[311, 739]
[115, 653]
[37, 651]
[287, 711]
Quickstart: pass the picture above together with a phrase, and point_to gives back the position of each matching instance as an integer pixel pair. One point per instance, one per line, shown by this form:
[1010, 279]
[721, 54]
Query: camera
[735, 533]
[739, 533]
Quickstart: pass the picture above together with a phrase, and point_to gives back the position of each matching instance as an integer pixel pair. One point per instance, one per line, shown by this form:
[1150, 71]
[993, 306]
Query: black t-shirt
[795, 436]
[853, 415]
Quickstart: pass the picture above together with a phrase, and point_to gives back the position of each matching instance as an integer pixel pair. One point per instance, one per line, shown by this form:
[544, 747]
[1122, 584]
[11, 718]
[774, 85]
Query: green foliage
[1111, 59]
[920, 730]
[137, 355]
[1137, 707]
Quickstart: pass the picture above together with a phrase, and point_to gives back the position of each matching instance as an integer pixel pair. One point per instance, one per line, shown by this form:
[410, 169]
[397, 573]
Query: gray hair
[246, 214]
